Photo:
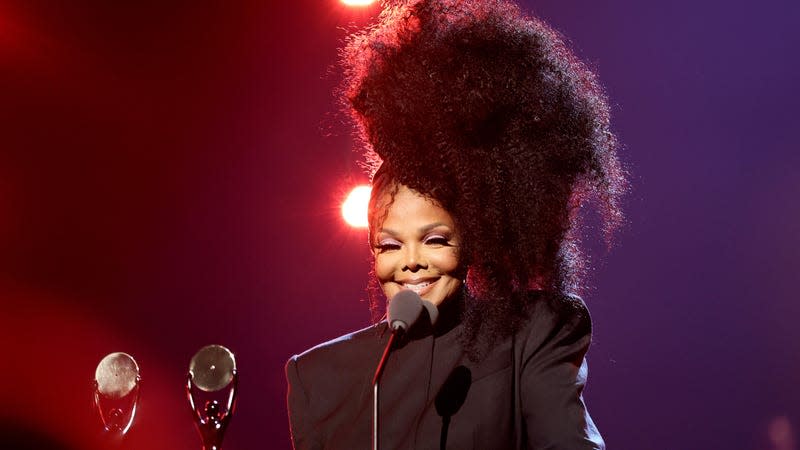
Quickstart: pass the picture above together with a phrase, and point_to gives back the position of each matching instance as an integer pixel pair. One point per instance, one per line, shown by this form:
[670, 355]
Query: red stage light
[354, 208]
[358, 2]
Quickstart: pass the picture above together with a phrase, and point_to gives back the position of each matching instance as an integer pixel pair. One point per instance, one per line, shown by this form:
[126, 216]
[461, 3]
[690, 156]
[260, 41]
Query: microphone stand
[404, 310]
[375, 387]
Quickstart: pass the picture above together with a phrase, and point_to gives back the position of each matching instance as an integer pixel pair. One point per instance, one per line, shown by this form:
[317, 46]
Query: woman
[489, 136]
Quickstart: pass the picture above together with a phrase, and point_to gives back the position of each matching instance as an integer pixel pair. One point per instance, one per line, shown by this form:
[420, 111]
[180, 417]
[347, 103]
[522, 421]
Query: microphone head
[433, 311]
[404, 309]
[116, 375]
[212, 368]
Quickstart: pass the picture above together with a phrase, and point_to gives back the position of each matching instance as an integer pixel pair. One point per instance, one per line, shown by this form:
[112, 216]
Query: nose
[413, 259]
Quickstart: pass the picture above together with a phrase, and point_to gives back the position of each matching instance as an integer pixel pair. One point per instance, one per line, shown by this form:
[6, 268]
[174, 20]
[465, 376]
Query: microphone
[405, 309]
[211, 370]
[116, 392]
[432, 310]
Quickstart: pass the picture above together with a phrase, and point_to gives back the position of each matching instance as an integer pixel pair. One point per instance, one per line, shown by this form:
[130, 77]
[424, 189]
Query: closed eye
[437, 240]
[387, 245]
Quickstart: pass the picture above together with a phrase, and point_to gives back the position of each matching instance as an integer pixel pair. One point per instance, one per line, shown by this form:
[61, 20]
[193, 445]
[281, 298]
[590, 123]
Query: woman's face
[416, 247]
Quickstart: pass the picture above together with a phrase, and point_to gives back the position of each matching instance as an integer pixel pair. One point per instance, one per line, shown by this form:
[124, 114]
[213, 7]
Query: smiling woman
[486, 136]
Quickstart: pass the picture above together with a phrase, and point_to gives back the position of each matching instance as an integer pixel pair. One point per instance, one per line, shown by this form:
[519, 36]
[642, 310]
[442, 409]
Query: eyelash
[393, 245]
[438, 240]
[382, 247]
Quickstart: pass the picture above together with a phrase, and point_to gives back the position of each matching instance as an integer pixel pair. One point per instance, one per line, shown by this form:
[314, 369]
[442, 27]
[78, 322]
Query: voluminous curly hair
[485, 110]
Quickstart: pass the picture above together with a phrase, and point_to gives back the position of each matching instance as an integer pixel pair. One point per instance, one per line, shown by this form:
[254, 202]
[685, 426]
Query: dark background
[171, 173]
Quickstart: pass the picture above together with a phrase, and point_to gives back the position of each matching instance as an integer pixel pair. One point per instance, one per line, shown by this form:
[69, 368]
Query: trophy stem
[212, 419]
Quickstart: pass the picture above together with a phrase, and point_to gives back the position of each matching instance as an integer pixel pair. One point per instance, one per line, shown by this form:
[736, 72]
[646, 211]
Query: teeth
[417, 287]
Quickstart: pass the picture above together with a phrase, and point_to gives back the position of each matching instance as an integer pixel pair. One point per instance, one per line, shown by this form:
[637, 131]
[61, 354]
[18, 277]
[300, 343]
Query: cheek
[383, 268]
[446, 261]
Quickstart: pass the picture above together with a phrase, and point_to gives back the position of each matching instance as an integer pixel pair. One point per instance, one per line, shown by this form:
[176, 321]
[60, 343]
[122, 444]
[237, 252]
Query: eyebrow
[423, 230]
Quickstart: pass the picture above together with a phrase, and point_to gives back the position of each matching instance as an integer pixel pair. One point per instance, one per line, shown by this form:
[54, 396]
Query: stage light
[358, 2]
[354, 208]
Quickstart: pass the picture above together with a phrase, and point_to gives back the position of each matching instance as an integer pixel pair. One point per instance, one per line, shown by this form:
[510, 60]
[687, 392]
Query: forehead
[408, 210]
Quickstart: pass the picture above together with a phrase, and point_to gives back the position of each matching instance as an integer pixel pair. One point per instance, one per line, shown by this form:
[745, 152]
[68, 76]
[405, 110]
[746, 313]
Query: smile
[420, 287]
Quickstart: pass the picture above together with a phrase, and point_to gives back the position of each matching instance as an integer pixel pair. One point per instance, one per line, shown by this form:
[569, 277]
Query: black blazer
[525, 395]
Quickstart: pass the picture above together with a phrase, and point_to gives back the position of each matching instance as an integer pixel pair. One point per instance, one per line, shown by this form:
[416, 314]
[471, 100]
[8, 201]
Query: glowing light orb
[354, 208]
[358, 2]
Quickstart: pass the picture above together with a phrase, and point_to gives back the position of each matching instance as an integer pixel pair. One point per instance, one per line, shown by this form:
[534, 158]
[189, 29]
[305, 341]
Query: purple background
[170, 175]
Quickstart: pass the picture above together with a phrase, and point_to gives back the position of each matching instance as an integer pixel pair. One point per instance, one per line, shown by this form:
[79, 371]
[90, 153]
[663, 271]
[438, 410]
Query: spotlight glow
[354, 208]
[358, 2]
